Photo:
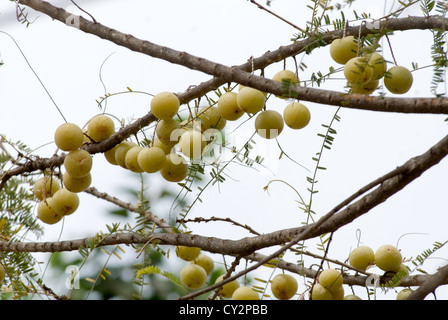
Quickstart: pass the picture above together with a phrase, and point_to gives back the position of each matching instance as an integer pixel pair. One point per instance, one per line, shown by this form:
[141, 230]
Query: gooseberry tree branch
[241, 75]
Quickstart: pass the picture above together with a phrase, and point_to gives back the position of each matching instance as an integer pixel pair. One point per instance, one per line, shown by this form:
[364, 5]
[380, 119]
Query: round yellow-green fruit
[250, 100]
[388, 258]
[192, 144]
[78, 163]
[76, 185]
[228, 288]
[284, 286]
[165, 128]
[398, 80]
[131, 159]
[404, 294]
[269, 124]
[245, 293]
[367, 88]
[296, 115]
[211, 119]
[228, 107]
[351, 297]
[46, 213]
[65, 202]
[51, 186]
[151, 159]
[68, 137]
[286, 76]
[100, 127]
[166, 147]
[357, 71]
[319, 292]
[175, 168]
[378, 64]
[193, 276]
[121, 150]
[344, 49]
[205, 262]
[361, 257]
[331, 279]
[187, 253]
[165, 105]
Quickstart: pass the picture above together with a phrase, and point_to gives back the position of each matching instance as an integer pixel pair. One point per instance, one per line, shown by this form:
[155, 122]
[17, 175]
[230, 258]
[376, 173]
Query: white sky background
[367, 145]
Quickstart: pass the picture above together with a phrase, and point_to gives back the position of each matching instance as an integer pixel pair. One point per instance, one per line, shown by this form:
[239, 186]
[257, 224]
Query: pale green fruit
[228, 288]
[296, 115]
[205, 262]
[131, 159]
[398, 80]
[100, 127]
[366, 88]
[193, 276]
[110, 156]
[269, 124]
[68, 137]
[187, 253]
[46, 213]
[76, 184]
[284, 286]
[165, 105]
[65, 202]
[175, 168]
[121, 150]
[342, 50]
[192, 144]
[388, 258]
[337, 294]
[245, 293]
[378, 64]
[211, 119]
[165, 128]
[331, 279]
[51, 186]
[404, 294]
[351, 297]
[166, 147]
[318, 292]
[286, 76]
[250, 100]
[2, 273]
[228, 106]
[151, 159]
[242, 86]
[78, 163]
[357, 71]
[361, 257]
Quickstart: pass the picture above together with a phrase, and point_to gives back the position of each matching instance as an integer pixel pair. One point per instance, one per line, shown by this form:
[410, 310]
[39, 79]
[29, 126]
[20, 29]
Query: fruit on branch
[398, 80]
[250, 100]
[131, 159]
[165, 105]
[65, 202]
[361, 257]
[287, 77]
[76, 185]
[51, 186]
[78, 163]
[175, 168]
[211, 119]
[388, 258]
[351, 297]
[337, 294]
[357, 71]
[284, 286]
[205, 262]
[68, 137]
[46, 213]
[269, 124]
[319, 292]
[121, 150]
[165, 128]
[296, 115]
[228, 106]
[245, 293]
[404, 294]
[100, 127]
[151, 159]
[193, 276]
[166, 147]
[228, 288]
[187, 253]
[192, 144]
[331, 279]
[378, 64]
[110, 156]
[344, 49]
[367, 88]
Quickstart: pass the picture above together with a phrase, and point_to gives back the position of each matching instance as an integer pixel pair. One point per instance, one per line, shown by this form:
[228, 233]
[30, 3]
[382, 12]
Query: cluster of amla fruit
[364, 71]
